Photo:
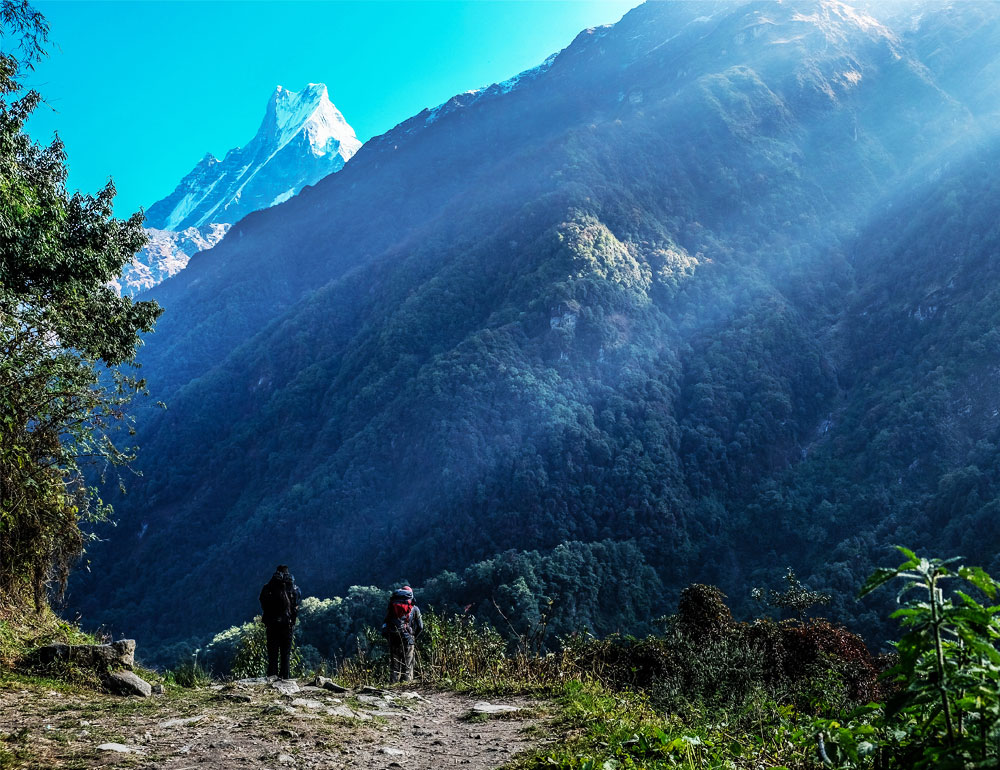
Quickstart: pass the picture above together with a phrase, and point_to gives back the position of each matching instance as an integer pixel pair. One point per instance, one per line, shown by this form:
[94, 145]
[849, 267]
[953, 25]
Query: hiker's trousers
[401, 657]
[279, 648]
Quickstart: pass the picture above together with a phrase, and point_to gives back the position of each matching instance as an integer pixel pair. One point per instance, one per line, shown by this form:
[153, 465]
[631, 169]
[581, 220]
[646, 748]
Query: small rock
[328, 684]
[252, 680]
[127, 683]
[392, 752]
[307, 703]
[279, 708]
[369, 690]
[286, 733]
[348, 713]
[482, 707]
[241, 697]
[285, 686]
[286, 759]
[409, 695]
[181, 722]
[157, 689]
[120, 748]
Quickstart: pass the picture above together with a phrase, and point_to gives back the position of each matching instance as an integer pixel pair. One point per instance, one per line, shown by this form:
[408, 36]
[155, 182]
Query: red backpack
[400, 607]
[398, 614]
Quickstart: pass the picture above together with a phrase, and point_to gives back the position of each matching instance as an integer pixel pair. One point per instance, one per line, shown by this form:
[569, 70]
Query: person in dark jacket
[402, 626]
[279, 604]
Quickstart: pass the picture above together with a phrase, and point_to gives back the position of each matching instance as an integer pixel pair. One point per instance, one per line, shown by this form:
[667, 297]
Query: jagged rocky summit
[302, 138]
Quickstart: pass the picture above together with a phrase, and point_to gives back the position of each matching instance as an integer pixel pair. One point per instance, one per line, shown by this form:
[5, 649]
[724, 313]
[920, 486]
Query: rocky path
[260, 724]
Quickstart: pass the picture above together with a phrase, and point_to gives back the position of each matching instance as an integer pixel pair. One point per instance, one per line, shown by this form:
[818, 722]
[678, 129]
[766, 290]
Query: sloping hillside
[615, 299]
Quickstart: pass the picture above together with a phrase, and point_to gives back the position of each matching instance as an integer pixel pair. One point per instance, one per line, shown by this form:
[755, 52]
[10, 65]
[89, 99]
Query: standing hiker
[401, 628]
[279, 604]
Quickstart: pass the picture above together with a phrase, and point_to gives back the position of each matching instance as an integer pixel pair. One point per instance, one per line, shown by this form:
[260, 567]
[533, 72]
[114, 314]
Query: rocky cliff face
[166, 254]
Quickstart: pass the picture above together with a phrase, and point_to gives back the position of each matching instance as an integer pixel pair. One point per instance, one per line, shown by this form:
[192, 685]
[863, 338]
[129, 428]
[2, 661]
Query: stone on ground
[307, 703]
[127, 683]
[328, 684]
[119, 748]
[99, 657]
[285, 686]
[482, 707]
[252, 680]
[182, 722]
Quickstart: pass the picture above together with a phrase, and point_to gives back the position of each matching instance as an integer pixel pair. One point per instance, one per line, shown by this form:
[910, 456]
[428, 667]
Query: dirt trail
[253, 725]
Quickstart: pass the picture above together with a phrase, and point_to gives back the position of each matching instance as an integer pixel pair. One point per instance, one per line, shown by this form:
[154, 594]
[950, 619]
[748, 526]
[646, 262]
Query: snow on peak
[302, 138]
[311, 113]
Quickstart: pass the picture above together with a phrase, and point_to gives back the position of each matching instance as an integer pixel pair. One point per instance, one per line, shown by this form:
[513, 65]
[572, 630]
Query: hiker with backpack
[401, 628]
[279, 604]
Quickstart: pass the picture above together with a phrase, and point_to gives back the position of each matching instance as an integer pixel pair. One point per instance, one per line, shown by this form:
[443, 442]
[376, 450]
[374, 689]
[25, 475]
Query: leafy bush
[241, 651]
[705, 657]
[946, 712]
[456, 651]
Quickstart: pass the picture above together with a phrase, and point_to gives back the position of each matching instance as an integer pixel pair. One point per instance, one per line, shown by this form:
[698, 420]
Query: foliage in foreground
[64, 337]
[710, 692]
[940, 707]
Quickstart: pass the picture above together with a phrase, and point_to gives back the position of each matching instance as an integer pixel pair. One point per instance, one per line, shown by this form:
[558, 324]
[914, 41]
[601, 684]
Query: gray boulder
[127, 683]
[98, 657]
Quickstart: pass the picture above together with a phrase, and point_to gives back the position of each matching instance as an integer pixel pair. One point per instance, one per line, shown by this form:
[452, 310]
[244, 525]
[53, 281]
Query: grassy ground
[22, 629]
[595, 729]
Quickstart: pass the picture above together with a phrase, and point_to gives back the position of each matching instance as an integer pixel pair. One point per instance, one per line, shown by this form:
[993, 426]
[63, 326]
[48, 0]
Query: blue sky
[139, 91]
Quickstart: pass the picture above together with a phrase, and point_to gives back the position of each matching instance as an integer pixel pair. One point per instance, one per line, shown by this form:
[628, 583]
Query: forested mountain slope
[625, 297]
[908, 451]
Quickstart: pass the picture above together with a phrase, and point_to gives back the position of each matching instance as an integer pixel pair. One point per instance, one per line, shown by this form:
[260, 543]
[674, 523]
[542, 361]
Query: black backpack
[276, 601]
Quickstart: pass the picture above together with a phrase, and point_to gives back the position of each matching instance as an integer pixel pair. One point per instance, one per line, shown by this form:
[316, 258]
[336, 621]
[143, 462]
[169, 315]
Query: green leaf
[878, 578]
[980, 579]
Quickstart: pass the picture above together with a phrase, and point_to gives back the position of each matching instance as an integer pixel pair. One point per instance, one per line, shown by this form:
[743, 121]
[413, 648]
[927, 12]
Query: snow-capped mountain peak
[302, 138]
[311, 113]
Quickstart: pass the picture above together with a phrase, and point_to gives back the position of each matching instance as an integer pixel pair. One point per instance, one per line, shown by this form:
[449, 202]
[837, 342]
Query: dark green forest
[715, 292]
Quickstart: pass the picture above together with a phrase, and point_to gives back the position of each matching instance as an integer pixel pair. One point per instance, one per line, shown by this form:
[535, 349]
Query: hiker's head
[404, 593]
[283, 569]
